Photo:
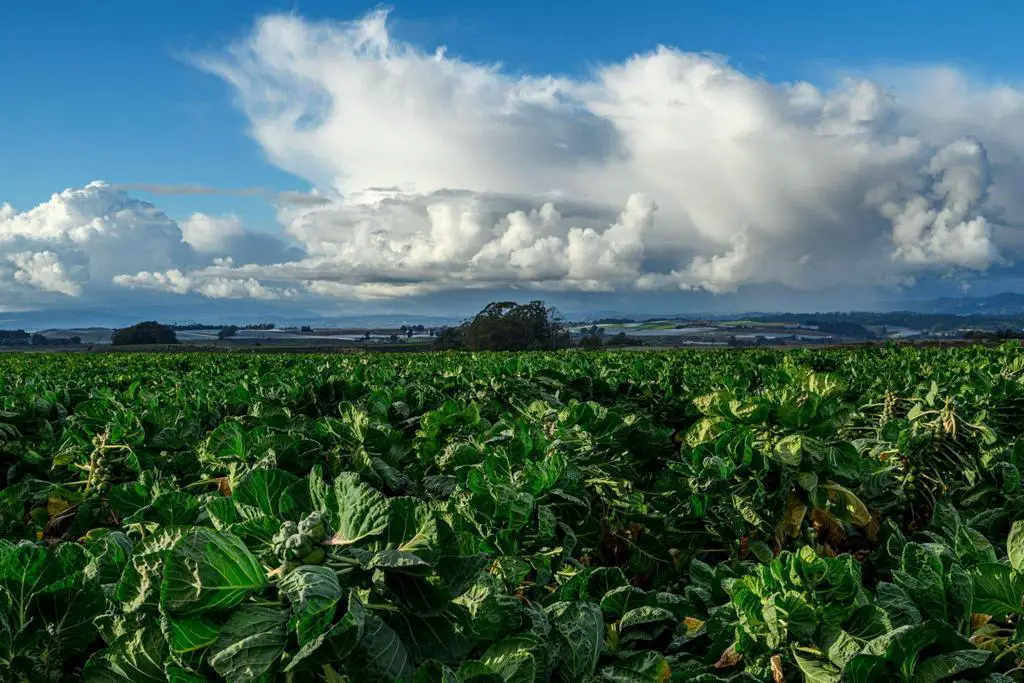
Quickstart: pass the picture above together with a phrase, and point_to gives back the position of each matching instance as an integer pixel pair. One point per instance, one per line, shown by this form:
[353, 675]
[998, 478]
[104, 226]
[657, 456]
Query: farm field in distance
[693, 515]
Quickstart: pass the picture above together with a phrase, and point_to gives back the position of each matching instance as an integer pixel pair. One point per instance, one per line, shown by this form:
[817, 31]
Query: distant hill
[1005, 304]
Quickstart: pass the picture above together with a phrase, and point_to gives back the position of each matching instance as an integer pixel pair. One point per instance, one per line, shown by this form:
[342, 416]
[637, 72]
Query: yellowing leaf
[55, 506]
[693, 624]
[729, 658]
[855, 509]
[793, 516]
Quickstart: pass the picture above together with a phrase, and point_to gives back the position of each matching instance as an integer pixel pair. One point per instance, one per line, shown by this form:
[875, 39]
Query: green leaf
[177, 674]
[395, 560]
[226, 443]
[357, 511]
[66, 609]
[645, 624]
[789, 450]
[136, 657]
[435, 672]
[947, 664]
[643, 667]
[816, 670]
[580, 630]
[961, 596]
[922, 577]
[139, 586]
[379, 654]
[265, 489]
[249, 643]
[903, 647]
[24, 569]
[972, 547]
[169, 509]
[843, 648]
[512, 658]
[867, 669]
[1015, 545]
[128, 499]
[188, 638]
[620, 600]
[334, 642]
[998, 590]
[897, 605]
[602, 580]
[313, 592]
[412, 529]
[257, 534]
[111, 551]
[447, 635]
[474, 671]
[208, 570]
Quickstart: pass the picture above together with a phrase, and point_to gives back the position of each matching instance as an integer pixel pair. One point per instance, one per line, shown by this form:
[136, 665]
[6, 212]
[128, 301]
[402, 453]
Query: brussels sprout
[287, 530]
[314, 527]
[317, 556]
[296, 546]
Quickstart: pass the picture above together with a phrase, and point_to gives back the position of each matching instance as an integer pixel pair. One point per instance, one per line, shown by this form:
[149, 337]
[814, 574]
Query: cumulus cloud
[215, 287]
[452, 172]
[210, 233]
[84, 243]
[43, 270]
[663, 172]
[79, 239]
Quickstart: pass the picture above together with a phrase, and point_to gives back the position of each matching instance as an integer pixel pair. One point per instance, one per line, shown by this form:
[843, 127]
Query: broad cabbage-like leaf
[208, 570]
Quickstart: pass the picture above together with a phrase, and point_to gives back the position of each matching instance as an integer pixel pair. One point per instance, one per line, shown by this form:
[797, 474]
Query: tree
[508, 326]
[590, 342]
[229, 331]
[620, 339]
[38, 340]
[448, 339]
[149, 332]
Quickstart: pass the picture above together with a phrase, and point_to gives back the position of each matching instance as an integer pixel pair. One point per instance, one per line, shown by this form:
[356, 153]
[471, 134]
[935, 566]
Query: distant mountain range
[86, 318]
[1007, 304]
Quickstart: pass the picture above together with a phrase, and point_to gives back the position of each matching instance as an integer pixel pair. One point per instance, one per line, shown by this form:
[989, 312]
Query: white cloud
[177, 282]
[442, 167]
[210, 233]
[665, 171]
[84, 243]
[73, 244]
[43, 270]
[173, 281]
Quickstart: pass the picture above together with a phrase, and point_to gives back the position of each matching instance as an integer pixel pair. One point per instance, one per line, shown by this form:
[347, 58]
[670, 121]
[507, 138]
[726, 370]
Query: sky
[324, 158]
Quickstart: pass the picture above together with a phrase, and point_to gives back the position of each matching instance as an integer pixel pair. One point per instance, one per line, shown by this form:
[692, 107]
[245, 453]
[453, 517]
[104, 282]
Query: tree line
[500, 326]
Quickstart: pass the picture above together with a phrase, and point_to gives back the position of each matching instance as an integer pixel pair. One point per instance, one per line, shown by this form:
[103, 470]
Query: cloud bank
[666, 172]
[80, 244]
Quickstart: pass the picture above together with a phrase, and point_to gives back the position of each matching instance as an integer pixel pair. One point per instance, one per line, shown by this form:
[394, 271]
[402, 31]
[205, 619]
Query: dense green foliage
[149, 332]
[688, 516]
[507, 326]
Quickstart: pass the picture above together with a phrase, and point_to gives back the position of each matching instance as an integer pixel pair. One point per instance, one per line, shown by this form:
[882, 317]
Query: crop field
[632, 517]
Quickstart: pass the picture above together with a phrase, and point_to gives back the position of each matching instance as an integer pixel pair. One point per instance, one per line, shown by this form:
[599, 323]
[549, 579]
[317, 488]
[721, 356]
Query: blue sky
[752, 182]
[105, 91]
